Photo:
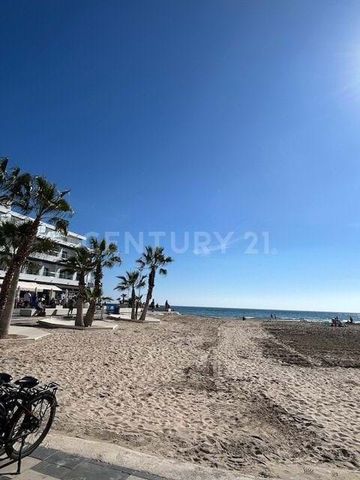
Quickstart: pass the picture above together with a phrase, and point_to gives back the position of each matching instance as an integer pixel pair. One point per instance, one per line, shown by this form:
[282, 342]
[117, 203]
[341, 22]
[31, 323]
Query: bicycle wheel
[33, 428]
[2, 426]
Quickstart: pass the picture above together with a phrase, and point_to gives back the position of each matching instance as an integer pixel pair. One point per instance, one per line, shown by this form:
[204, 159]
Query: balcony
[50, 274]
[66, 275]
[54, 257]
[55, 280]
[62, 240]
[57, 257]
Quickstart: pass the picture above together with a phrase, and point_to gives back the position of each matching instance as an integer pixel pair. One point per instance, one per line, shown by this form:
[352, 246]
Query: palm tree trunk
[8, 308]
[151, 286]
[133, 300]
[6, 285]
[89, 315]
[79, 321]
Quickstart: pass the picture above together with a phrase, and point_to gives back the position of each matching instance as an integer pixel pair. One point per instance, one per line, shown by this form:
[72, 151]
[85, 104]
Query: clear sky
[199, 116]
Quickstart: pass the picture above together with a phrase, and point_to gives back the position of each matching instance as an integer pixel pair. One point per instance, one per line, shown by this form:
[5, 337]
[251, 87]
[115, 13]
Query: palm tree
[102, 301]
[81, 263]
[34, 195]
[152, 259]
[104, 256]
[11, 237]
[14, 185]
[140, 285]
[131, 281]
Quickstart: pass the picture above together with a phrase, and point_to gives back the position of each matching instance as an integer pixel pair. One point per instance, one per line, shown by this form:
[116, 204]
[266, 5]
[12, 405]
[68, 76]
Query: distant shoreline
[259, 314]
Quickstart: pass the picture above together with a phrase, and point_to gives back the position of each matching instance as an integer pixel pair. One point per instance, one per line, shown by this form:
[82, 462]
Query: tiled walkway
[48, 464]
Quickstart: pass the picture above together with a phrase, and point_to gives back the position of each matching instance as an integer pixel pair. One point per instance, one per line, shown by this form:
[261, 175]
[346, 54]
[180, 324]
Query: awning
[33, 287]
[29, 286]
[54, 288]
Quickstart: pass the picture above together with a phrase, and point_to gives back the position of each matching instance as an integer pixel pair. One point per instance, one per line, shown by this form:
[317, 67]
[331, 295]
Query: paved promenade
[49, 464]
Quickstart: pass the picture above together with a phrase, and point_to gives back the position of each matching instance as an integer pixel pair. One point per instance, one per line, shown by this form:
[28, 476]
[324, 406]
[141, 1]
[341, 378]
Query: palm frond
[81, 262]
[61, 225]
[43, 245]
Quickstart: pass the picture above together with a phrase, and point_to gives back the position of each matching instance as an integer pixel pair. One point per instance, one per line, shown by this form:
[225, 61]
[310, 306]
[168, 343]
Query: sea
[239, 313]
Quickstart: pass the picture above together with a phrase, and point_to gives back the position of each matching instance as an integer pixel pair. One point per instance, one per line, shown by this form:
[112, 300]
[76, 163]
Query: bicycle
[27, 411]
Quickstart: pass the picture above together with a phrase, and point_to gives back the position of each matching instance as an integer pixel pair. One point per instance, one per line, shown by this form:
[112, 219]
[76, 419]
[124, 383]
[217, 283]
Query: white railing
[44, 279]
[46, 256]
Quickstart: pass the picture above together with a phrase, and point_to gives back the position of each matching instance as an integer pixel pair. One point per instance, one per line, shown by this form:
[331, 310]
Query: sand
[274, 399]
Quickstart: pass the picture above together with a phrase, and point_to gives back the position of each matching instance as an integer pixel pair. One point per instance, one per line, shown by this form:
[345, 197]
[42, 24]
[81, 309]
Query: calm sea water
[280, 314]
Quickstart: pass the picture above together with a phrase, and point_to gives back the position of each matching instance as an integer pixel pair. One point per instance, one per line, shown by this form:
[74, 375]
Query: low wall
[49, 312]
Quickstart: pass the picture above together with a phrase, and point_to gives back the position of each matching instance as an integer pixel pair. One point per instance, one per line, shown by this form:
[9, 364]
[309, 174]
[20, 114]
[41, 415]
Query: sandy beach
[262, 398]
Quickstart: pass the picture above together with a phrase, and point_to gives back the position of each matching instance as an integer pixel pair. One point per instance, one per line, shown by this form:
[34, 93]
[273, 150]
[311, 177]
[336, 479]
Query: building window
[64, 255]
[55, 252]
[49, 273]
[65, 274]
[32, 268]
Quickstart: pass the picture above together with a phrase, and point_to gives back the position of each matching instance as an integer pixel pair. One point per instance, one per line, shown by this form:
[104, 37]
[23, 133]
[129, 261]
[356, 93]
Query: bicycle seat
[27, 382]
[5, 378]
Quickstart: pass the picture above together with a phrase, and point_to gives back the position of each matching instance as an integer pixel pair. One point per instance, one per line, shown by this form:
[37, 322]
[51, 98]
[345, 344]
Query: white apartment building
[46, 273]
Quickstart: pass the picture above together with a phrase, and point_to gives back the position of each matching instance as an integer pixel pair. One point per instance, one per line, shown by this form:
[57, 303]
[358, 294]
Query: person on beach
[40, 308]
[27, 299]
[70, 306]
[33, 300]
[335, 322]
[351, 320]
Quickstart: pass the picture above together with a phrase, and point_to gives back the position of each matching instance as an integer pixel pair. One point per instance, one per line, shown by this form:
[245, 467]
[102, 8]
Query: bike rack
[18, 461]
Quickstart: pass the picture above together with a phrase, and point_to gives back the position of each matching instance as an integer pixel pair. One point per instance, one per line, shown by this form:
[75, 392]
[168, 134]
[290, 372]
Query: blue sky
[199, 116]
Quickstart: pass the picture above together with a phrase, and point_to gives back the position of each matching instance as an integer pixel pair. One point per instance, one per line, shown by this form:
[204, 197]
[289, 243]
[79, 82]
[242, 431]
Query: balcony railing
[49, 274]
[52, 257]
[68, 276]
